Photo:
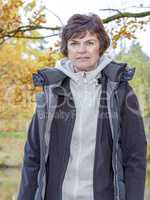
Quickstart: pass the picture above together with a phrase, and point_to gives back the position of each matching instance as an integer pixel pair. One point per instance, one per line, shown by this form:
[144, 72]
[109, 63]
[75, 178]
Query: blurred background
[29, 40]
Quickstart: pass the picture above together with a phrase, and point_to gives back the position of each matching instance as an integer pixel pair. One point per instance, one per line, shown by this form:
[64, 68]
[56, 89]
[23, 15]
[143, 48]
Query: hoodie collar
[67, 68]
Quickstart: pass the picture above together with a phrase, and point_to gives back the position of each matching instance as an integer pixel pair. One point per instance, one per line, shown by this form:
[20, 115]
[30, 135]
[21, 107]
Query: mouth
[83, 58]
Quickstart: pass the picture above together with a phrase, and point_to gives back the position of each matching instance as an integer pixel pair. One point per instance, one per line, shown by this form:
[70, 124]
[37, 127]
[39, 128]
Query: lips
[83, 58]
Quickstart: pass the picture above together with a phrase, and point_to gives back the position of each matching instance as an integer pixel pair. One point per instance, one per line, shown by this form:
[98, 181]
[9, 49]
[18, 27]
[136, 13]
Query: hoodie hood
[66, 66]
[86, 94]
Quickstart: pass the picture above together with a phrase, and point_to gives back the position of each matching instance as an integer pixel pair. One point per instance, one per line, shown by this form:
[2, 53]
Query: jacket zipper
[98, 137]
[69, 130]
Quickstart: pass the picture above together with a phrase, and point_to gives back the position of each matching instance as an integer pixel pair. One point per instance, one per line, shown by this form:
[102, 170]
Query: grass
[11, 155]
[17, 135]
[9, 183]
[11, 148]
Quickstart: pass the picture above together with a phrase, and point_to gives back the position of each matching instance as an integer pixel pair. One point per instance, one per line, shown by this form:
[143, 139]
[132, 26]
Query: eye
[90, 43]
[73, 44]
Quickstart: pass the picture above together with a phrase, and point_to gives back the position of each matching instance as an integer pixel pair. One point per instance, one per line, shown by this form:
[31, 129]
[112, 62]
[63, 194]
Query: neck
[85, 70]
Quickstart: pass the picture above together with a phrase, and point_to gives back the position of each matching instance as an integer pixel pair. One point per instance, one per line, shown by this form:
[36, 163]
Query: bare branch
[61, 22]
[126, 14]
[32, 37]
[111, 9]
[28, 28]
[31, 28]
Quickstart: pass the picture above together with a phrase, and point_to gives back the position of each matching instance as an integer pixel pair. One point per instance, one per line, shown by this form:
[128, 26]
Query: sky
[65, 8]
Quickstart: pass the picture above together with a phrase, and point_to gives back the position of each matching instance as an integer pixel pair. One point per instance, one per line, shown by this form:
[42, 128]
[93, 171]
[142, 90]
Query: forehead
[84, 36]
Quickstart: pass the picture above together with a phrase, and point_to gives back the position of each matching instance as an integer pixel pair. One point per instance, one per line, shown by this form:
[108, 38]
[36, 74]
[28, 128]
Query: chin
[85, 68]
[82, 68]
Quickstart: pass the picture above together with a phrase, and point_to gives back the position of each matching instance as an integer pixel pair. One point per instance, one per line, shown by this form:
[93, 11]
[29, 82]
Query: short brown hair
[78, 25]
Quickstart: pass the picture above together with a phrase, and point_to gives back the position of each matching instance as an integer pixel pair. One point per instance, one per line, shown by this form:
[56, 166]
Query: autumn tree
[19, 58]
[136, 58]
[127, 23]
[21, 41]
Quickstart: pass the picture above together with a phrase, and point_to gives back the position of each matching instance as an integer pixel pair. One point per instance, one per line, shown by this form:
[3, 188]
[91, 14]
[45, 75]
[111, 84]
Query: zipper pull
[84, 77]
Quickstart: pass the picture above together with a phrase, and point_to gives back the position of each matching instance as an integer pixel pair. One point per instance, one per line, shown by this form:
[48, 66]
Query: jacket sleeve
[31, 162]
[134, 146]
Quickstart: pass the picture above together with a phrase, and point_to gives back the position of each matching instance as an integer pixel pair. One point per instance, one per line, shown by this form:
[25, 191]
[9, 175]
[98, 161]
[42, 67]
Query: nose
[82, 48]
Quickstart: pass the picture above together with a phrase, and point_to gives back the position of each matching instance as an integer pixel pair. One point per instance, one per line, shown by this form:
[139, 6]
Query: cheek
[96, 53]
[71, 54]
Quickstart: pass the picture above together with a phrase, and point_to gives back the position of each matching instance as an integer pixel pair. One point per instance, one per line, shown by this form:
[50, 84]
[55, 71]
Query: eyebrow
[72, 40]
[76, 40]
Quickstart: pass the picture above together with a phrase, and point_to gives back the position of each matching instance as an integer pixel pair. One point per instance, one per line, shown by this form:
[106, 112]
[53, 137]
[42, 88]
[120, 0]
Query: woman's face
[84, 51]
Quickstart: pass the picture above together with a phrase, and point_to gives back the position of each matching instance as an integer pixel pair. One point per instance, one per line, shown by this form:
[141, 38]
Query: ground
[11, 148]
[11, 154]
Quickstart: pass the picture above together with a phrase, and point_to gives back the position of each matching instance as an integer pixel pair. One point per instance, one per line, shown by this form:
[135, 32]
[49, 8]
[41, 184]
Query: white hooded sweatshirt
[78, 181]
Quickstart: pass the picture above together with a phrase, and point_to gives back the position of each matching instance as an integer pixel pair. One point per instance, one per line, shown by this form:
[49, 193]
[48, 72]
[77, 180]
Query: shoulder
[117, 72]
[47, 76]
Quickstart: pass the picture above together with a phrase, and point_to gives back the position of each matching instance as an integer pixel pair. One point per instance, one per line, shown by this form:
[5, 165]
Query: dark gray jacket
[120, 152]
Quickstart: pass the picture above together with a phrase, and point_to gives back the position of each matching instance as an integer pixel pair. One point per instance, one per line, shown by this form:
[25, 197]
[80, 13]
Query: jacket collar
[63, 89]
[114, 71]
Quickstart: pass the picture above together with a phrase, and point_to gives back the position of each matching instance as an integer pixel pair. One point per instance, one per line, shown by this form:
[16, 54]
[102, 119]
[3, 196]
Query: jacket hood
[67, 68]
[116, 72]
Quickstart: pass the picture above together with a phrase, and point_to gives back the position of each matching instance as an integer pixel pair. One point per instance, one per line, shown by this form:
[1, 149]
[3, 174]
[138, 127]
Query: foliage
[13, 25]
[141, 84]
[18, 61]
[9, 181]
[10, 141]
[126, 28]
[148, 166]
[17, 135]
[20, 58]
[11, 154]
[9, 18]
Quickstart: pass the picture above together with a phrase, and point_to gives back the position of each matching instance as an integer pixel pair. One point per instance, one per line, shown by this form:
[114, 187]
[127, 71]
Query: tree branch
[125, 14]
[59, 19]
[32, 37]
[28, 28]
[32, 28]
